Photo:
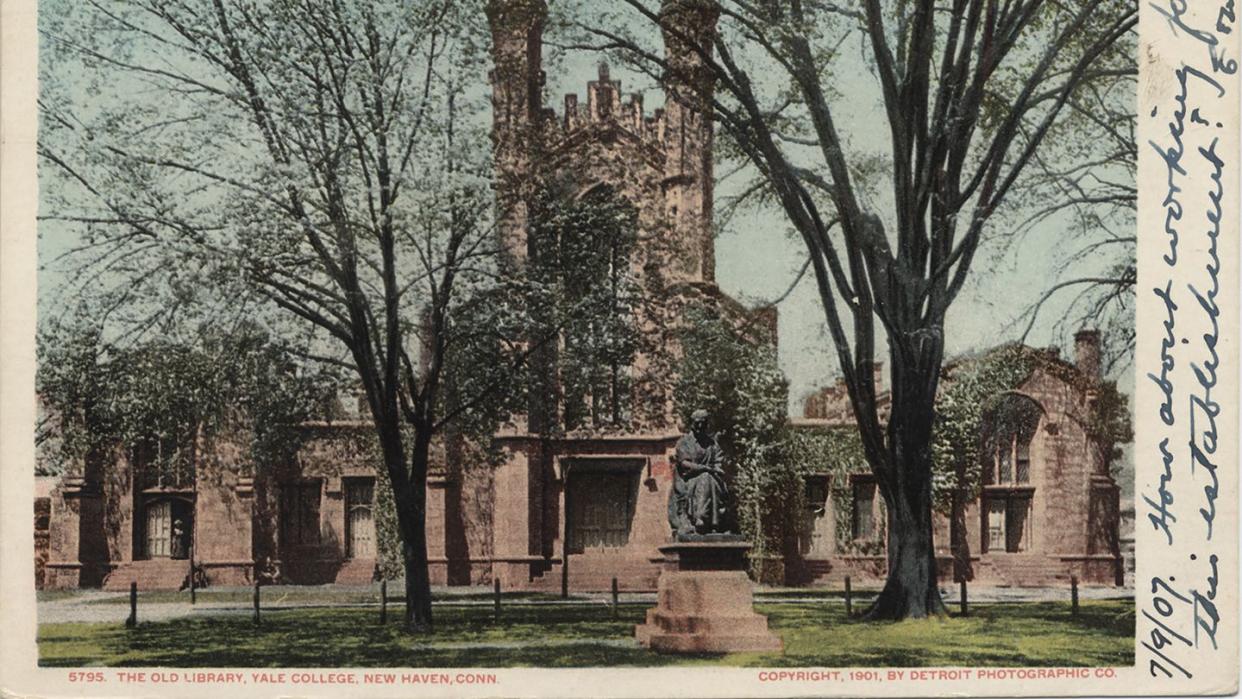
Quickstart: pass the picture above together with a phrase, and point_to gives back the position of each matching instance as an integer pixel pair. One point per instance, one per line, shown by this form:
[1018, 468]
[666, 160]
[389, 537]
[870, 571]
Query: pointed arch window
[1008, 495]
[1009, 429]
[596, 235]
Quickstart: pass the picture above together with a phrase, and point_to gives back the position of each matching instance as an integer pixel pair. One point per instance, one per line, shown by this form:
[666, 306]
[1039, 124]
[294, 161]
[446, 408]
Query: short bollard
[383, 602]
[496, 597]
[965, 609]
[132, 621]
[849, 600]
[256, 603]
[615, 596]
[1074, 595]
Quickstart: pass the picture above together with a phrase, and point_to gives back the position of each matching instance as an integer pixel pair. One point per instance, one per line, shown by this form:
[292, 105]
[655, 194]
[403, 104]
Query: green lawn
[586, 635]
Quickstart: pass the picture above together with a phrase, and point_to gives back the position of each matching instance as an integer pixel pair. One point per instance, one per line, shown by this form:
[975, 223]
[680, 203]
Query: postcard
[646, 348]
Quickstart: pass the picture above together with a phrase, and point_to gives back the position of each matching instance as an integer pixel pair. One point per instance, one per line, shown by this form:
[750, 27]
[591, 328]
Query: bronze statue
[698, 503]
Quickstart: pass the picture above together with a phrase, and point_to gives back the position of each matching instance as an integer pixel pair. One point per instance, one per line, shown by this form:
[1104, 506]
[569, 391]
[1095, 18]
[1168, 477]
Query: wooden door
[1017, 524]
[159, 529]
[818, 534]
[359, 500]
[995, 541]
[601, 509]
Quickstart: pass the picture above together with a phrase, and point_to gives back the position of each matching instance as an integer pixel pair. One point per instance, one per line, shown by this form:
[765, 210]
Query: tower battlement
[605, 106]
[660, 163]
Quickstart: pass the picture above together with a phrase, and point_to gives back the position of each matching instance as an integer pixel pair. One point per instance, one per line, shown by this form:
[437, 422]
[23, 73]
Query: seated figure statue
[698, 503]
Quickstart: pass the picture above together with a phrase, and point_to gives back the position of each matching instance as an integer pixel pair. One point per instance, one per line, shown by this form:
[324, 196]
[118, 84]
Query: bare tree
[970, 90]
[1084, 186]
[328, 156]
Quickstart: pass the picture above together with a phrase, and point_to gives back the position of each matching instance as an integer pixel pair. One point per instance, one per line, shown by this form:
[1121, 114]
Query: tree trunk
[412, 517]
[910, 590]
[417, 585]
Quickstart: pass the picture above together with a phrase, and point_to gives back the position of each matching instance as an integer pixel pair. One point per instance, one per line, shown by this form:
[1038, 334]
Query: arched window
[1009, 428]
[597, 234]
[164, 462]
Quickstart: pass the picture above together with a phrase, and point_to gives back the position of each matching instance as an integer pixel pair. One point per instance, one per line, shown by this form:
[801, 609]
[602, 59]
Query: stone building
[573, 492]
[127, 516]
[579, 495]
[575, 489]
[1047, 507]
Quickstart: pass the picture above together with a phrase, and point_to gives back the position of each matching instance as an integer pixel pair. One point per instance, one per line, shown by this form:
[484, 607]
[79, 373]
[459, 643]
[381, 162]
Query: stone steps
[356, 571]
[1020, 570]
[154, 574]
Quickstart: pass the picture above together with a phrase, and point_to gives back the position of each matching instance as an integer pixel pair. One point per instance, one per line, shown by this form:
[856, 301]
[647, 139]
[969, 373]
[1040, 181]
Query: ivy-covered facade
[607, 206]
[1026, 452]
[604, 206]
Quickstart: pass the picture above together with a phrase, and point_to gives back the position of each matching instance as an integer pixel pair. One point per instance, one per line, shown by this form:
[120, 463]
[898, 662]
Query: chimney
[1087, 352]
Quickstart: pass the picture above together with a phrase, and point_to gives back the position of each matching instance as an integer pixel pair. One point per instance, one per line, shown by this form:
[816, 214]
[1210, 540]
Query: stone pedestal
[705, 603]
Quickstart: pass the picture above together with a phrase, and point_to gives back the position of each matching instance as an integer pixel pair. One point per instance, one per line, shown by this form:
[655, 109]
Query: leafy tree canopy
[98, 395]
[738, 381]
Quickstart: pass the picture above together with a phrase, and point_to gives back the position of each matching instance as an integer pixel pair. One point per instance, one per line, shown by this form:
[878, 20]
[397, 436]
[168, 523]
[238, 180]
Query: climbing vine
[738, 381]
[970, 390]
[162, 395]
[387, 531]
[740, 384]
[836, 453]
[1110, 425]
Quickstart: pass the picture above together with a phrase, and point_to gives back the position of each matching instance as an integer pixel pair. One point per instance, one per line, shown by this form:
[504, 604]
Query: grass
[810, 593]
[56, 595]
[996, 635]
[815, 635]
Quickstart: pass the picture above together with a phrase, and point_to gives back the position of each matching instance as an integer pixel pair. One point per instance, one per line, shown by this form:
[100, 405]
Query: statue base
[705, 603]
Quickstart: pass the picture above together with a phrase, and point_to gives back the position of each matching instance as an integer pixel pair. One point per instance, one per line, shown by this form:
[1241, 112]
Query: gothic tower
[688, 28]
[527, 135]
[517, 112]
[607, 149]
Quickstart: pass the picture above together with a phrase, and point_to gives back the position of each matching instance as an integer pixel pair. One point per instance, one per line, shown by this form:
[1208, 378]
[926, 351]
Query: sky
[757, 258]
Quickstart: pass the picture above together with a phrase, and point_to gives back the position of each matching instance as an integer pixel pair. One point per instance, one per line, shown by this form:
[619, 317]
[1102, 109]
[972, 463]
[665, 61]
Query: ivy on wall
[387, 532]
[737, 380]
[162, 394]
[835, 453]
[739, 383]
[970, 390]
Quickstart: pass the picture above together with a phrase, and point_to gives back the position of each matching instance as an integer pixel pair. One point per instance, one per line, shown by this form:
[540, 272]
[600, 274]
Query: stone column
[511, 521]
